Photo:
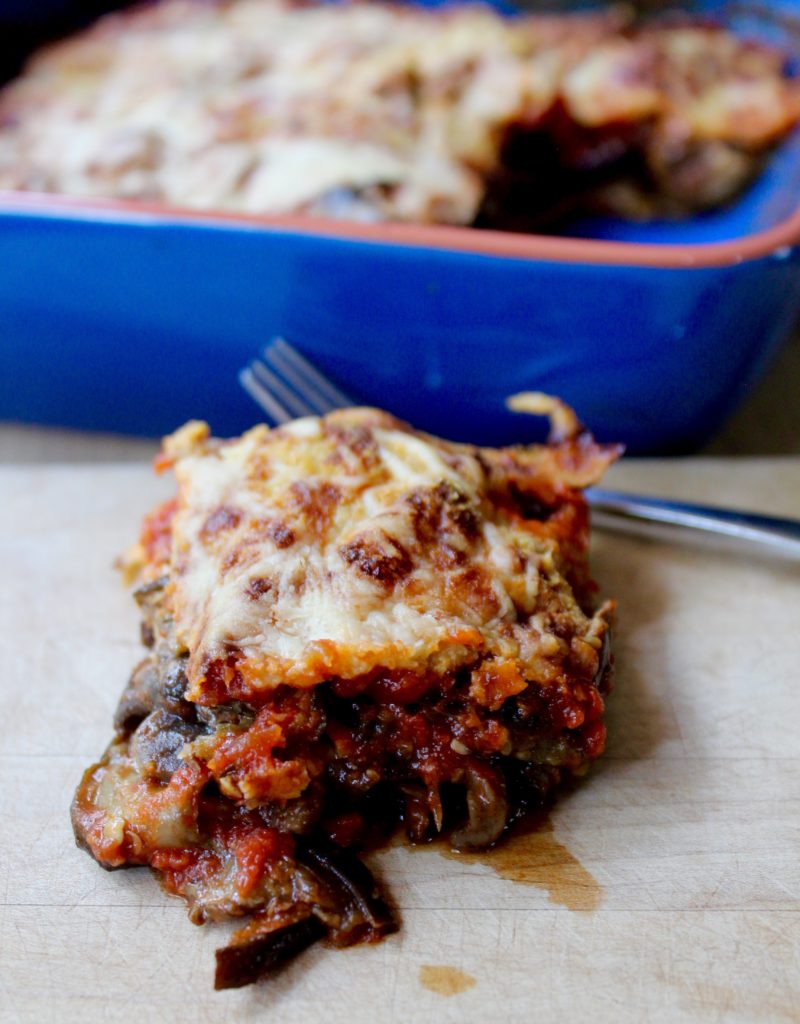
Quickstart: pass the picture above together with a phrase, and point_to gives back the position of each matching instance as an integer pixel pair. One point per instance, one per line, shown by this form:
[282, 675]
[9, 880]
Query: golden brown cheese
[328, 548]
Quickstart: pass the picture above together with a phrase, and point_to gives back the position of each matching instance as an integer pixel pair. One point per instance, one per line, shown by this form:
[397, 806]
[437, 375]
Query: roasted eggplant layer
[381, 112]
[349, 626]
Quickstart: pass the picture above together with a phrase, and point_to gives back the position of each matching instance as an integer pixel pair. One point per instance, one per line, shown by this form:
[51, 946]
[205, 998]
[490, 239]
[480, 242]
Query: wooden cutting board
[664, 887]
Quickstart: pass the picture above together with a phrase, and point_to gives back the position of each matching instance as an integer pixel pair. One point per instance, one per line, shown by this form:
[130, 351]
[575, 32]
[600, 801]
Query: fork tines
[286, 385]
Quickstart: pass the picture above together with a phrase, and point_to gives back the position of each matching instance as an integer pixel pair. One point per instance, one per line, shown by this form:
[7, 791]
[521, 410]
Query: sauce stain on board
[445, 981]
[530, 854]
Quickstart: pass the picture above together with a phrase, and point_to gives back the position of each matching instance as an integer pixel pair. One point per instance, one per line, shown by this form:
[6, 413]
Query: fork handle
[634, 513]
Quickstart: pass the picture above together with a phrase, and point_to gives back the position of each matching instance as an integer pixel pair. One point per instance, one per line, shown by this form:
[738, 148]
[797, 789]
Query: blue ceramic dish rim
[780, 239]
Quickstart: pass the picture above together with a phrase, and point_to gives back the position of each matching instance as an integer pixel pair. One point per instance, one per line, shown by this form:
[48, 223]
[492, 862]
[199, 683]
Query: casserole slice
[349, 625]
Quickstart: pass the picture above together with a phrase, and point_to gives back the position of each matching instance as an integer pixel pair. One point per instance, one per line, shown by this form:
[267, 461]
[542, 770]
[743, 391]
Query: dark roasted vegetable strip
[365, 915]
[242, 963]
[487, 808]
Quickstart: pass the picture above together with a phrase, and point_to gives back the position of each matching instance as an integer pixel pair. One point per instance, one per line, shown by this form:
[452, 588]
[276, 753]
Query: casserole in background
[384, 112]
[128, 319]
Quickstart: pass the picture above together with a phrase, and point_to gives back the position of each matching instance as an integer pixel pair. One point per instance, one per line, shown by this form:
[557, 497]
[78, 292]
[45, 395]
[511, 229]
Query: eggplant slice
[252, 957]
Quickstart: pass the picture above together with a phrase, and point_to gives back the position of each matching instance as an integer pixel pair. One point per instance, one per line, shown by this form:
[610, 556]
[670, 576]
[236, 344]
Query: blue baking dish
[126, 318]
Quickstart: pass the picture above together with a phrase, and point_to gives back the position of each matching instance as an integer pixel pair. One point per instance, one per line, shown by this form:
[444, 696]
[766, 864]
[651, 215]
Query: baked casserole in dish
[135, 313]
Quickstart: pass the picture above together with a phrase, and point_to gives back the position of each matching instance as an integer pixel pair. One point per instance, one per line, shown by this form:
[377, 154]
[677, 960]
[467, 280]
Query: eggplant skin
[346, 887]
[487, 808]
[363, 913]
[244, 963]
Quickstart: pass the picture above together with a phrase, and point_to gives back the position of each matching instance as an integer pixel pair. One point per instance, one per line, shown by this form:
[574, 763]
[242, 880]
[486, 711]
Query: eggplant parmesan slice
[348, 626]
[389, 112]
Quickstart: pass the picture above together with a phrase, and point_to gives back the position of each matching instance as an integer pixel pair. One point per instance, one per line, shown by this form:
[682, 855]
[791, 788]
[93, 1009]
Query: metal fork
[287, 386]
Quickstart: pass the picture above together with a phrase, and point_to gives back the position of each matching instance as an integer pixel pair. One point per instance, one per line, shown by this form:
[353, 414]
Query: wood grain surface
[665, 886]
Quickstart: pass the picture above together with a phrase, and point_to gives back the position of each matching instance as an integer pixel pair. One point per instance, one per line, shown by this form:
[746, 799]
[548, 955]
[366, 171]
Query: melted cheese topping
[334, 547]
[366, 111]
